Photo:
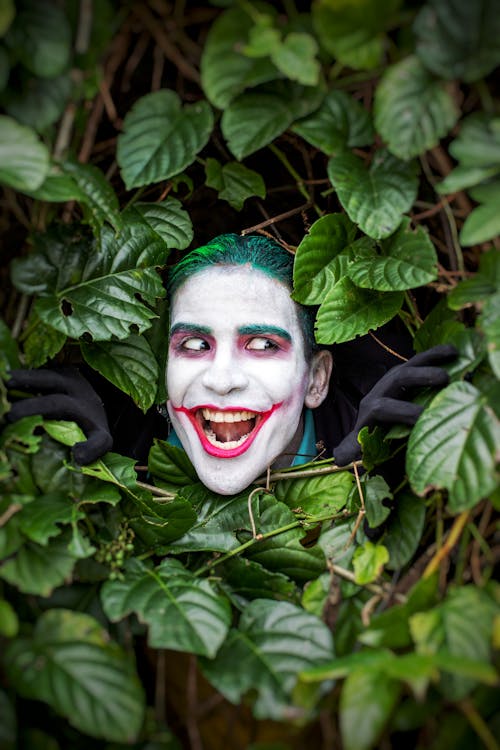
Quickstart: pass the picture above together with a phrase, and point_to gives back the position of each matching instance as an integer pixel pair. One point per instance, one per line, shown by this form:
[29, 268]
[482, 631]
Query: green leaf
[97, 193]
[483, 223]
[407, 260]
[40, 36]
[295, 57]
[234, 182]
[24, 159]
[9, 627]
[369, 561]
[160, 137]
[483, 284]
[38, 570]
[225, 70]
[490, 324]
[39, 102]
[339, 121]
[349, 311]
[477, 149]
[160, 523]
[413, 110]
[449, 628]
[171, 465]
[457, 39]
[93, 288]
[7, 15]
[366, 703]
[252, 581]
[317, 265]
[375, 197]
[454, 445]
[8, 725]
[182, 612]
[376, 490]
[317, 496]
[168, 219]
[353, 32]
[40, 520]
[4, 66]
[70, 664]
[9, 357]
[41, 342]
[128, 364]
[256, 118]
[271, 644]
[404, 530]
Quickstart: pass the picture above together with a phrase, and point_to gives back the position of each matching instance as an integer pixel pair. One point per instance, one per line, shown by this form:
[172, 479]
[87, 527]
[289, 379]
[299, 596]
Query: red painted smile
[226, 433]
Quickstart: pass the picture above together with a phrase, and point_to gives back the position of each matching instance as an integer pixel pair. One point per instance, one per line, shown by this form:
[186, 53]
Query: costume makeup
[237, 375]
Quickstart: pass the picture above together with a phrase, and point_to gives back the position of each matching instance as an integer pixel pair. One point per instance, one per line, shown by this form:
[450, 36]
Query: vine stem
[478, 724]
[452, 539]
[305, 473]
[296, 176]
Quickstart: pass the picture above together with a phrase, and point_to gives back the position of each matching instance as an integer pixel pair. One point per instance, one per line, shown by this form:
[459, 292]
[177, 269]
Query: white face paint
[237, 377]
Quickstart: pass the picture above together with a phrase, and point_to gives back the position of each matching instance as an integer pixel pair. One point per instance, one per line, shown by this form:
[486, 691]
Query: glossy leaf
[353, 32]
[404, 530]
[295, 57]
[171, 466]
[182, 612]
[366, 703]
[41, 38]
[159, 522]
[40, 520]
[256, 118]
[39, 102]
[407, 259]
[484, 283]
[93, 288]
[128, 364]
[482, 224]
[349, 311]
[376, 493]
[70, 664]
[225, 71]
[252, 581]
[160, 137]
[97, 193]
[454, 445]
[375, 197]
[413, 110]
[38, 570]
[24, 159]
[456, 39]
[317, 265]
[234, 182]
[168, 219]
[270, 643]
[490, 324]
[339, 121]
[369, 561]
[477, 149]
[42, 342]
[316, 497]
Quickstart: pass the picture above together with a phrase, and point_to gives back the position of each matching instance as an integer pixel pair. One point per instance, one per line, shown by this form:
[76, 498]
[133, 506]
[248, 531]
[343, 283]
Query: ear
[319, 378]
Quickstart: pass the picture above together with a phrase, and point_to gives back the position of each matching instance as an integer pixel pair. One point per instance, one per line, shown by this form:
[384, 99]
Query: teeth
[225, 446]
[227, 416]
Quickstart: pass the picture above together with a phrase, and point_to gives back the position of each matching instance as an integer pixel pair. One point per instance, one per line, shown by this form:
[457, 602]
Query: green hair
[259, 252]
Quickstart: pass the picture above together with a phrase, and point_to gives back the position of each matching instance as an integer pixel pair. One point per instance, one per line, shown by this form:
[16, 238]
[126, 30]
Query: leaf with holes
[101, 288]
[339, 121]
[349, 311]
[256, 118]
[128, 364]
[70, 664]
[270, 643]
[225, 70]
[458, 39]
[454, 446]
[375, 197]
[160, 137]
[24, 159]
[182, 612]
[407, 259]
[413, 110]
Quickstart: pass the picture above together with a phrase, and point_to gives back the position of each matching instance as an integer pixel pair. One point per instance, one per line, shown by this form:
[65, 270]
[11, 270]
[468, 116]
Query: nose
[224, 374]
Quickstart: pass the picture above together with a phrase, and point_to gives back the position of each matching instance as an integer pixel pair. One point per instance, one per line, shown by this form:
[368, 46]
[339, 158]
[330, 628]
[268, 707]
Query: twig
[362, 510]
[387, 348]
[11, 511]
[449, 543]
[157, 491]
[305, 473]
[478, 724]
[20, 315]
[275, 219]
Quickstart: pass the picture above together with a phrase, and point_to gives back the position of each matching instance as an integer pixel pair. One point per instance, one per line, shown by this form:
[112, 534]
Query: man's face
[236, 375]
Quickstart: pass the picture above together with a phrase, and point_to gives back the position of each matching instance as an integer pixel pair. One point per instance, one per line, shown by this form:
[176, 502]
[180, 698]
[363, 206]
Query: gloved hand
[387, 402]
[64, 394]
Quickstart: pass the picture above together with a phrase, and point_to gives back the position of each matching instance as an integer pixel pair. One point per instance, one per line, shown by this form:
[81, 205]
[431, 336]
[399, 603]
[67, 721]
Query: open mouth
[226, 433]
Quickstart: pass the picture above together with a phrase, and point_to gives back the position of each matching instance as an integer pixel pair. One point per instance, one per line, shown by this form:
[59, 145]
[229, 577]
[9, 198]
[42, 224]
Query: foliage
[330, 603]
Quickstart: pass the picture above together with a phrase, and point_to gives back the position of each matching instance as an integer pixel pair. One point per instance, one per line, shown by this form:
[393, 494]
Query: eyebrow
[262, 330]
[190, 328]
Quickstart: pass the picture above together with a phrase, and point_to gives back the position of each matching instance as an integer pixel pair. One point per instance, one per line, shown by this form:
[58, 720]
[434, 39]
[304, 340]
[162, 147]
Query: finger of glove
[59, 406]
[400, 378]
[384, 410]
[98, 443]
[44, 381]
[436, 355]
[348, 450]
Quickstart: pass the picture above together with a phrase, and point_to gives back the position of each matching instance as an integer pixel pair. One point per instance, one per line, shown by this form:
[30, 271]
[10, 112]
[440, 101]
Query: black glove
[387, 402]
[66, 395]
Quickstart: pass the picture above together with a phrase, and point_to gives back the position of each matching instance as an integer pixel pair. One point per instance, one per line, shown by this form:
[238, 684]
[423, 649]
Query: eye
[195, 344]
[261, 344]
